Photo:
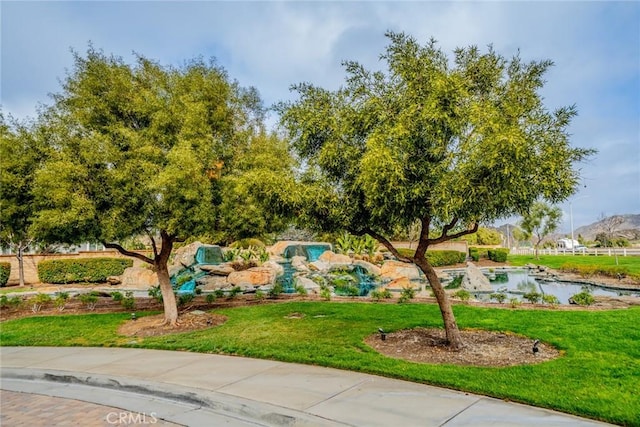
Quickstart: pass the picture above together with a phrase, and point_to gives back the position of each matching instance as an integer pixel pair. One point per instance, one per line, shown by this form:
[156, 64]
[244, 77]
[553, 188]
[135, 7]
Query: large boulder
[252, 278]
[299, 263]
[392, 270]
[212, 283]
[308, 284]
[401, 283]
[185, 256]
[278, 268]
[335, 259]
[475, 280]
[138, 278]
[217, 269]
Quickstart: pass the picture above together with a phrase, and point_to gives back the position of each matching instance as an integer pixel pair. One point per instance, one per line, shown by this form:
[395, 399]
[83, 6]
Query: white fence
[589, 251]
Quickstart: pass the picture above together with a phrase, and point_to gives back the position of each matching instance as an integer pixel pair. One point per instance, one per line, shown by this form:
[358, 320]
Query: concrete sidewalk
[209, 390]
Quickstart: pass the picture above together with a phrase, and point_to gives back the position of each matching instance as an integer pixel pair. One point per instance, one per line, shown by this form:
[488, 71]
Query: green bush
[210, 298]
[615, 271]
[5, 270]
[499, 296]
[463, 295]
[437, 258]
[407, 294]
[442, 258]
[532, 297]
[83, 270]
[477, 253]
[582, 298]
[498, 255]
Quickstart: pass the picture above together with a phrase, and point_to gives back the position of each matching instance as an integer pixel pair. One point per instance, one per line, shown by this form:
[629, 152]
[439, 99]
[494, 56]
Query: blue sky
[270, 45]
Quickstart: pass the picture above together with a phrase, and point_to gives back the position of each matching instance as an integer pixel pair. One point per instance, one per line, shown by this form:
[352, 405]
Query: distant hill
[629, 228]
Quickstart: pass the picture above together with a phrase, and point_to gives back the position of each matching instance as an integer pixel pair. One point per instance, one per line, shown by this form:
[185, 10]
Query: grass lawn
[598, 375]
[632, 263]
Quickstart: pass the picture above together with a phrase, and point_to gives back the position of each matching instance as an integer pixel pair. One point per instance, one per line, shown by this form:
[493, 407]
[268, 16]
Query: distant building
[569, 244]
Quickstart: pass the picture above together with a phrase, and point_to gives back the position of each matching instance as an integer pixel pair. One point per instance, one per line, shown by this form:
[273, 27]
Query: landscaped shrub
[437, 258]
[498, 255]
[5, 270]
[477, 253]
[83, 270]
[442, 258]
[615, 271]
[582, 298]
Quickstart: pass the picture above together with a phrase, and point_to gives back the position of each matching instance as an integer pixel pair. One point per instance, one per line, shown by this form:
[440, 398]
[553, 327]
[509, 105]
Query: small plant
[230, 255]
[378, 294]
[263, 255]
[210, 298]
[301, 290]
[89, 300]
[4, 301]
[463, 295]
[582, 298]
[344, 243]
[259, 295]
[14, 301]
[198, 291]
[185, 299]
[325, 293]
[514, 302]
[218, 293]
[276, 290]
[532, 297]
[552, 300]
[155, 293]
[117, 296]
[500, 297]
[38, 301]
[183, 279]
[234, 292]
[128, 301]
[406, 295]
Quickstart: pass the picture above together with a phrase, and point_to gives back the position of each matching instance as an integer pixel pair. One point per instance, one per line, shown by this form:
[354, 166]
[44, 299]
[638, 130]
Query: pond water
[516, 283]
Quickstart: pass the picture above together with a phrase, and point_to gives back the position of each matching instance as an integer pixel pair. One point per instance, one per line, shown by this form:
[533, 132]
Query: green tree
[262, 176]
[141, 150]
[540, 221]
[22, 153]
[450, 144]
[484, 236]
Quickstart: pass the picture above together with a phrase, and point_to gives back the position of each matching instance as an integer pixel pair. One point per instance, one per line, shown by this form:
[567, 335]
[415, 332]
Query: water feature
[516, 283]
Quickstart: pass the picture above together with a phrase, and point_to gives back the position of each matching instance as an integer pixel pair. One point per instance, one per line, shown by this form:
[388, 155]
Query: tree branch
[154, 246]
[125, 252]
[387, 244]
[444, 238]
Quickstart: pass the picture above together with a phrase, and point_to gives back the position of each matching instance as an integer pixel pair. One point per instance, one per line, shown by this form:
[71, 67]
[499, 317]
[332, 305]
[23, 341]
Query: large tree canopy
[22, 153]
[449, 143]
[142, 149]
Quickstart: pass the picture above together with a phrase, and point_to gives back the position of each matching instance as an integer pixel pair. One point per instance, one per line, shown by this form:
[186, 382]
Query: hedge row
[83, 270]
[592, 270]
[437, 258]
[497, 255]
[5, 270]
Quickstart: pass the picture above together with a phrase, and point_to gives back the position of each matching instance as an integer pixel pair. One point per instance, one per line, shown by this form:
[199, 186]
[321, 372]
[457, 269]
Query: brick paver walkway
[33, 410]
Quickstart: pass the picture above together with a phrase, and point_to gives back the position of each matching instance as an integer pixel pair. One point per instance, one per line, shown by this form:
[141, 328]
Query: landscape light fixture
[133, 316]
[383, 334]
[535, 348]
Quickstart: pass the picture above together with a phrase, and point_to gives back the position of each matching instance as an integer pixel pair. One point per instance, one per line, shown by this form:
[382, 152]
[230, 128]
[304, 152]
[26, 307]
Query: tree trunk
[450, 326]
[20, 256]
[168, 297]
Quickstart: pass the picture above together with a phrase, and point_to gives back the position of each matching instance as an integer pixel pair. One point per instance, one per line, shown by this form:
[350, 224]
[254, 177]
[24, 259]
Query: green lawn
[598, 376]
[632, 263]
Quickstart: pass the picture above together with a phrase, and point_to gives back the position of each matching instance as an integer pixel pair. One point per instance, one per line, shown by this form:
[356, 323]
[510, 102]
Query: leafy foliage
[539, 221]
[83, 270]
[498, 255]
[448, 144]
[582, 298]
[5, 271]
